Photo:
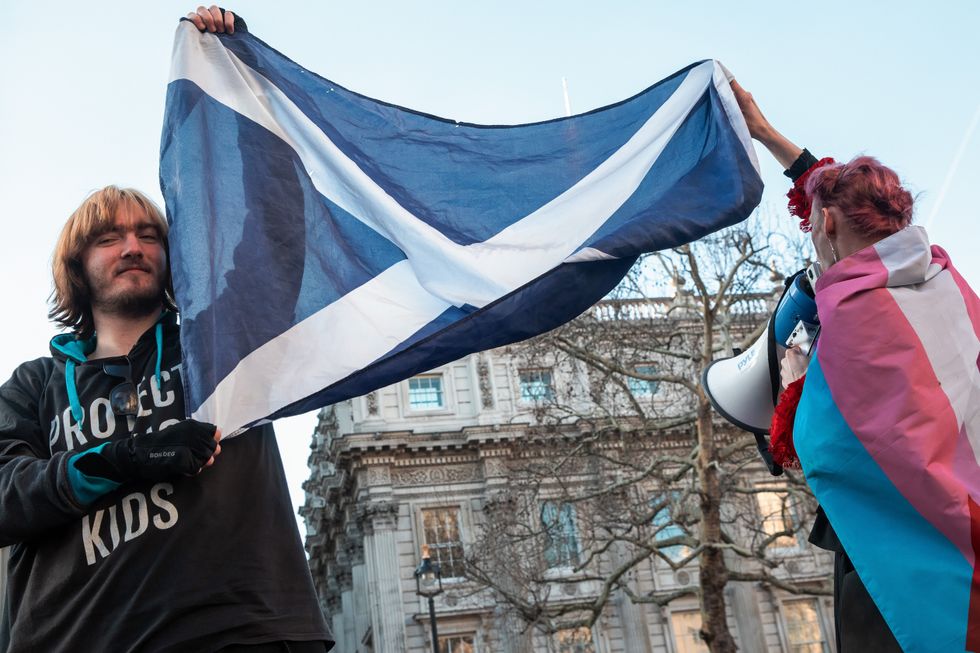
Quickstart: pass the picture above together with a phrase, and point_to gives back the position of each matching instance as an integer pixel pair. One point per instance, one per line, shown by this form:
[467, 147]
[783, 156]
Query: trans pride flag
[888, 434]
[325, 244]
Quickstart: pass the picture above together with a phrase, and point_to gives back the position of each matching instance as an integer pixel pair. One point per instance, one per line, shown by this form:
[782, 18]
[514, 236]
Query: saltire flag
[888, 433]
[325, 244]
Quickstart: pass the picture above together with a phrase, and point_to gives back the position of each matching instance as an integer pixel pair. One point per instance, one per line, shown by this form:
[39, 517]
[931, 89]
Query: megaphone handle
[763, 445]
[813, 343]
[773, 359]
[774, 380]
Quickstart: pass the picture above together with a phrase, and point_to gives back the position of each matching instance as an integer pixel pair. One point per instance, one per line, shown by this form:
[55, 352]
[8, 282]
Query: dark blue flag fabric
[325, 244]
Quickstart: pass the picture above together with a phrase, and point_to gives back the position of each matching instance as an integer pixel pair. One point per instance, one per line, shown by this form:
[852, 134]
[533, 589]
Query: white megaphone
[743, 388]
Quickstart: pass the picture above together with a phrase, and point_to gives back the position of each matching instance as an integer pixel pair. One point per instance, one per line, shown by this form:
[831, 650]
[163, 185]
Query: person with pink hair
[880, 414]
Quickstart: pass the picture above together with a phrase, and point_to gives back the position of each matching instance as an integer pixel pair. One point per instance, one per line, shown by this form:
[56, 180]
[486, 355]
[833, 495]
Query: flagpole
[568, 105]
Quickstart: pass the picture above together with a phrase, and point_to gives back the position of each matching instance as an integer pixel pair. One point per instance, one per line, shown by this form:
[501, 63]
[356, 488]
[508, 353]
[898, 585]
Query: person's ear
[830, 218]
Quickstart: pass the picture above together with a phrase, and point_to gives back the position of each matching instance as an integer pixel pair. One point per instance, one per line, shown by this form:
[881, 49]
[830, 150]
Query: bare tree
[628, 462]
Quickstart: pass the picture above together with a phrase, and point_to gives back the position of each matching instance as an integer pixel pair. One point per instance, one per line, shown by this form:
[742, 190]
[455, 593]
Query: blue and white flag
[325, 244]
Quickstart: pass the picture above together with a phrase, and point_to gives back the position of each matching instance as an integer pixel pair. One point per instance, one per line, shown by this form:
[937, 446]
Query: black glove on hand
[181, 448]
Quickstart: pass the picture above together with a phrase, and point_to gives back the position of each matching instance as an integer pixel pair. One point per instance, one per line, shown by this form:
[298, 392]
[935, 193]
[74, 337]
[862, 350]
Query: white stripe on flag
[953, 349]
[322, 349]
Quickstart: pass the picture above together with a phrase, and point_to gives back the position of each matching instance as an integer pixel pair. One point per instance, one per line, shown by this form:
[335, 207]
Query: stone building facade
[425, 461]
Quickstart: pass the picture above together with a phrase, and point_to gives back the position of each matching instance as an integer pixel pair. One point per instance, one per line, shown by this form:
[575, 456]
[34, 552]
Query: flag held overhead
[325, 244]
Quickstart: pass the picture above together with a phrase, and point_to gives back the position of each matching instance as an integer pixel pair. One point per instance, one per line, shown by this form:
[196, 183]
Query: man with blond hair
[129, 526]
[126, 532]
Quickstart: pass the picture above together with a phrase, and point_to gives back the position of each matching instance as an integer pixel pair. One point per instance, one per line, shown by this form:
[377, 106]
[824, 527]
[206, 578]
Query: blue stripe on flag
[488, 165]
[918, 578]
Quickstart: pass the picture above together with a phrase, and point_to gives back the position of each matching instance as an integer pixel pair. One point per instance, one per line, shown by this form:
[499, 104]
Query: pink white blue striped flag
[888, 433]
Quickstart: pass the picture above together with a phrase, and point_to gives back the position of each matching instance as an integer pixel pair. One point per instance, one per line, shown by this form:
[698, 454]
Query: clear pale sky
[83, 88]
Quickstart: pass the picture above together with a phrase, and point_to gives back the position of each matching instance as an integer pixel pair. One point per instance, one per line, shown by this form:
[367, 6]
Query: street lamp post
[428, 583]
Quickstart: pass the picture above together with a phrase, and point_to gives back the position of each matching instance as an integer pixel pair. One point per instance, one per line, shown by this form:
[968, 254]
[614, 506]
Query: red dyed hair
[869, 194]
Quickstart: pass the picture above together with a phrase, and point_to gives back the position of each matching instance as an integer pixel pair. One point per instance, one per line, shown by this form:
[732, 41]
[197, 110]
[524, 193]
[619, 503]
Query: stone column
[383, 577]
[361, 607]
[344, 630]
[335, 608]
[356, 607]
[745, 608]
[743, 601]
[635, 634]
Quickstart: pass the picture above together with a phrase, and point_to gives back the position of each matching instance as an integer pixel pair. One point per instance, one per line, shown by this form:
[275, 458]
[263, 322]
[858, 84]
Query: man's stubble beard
[133, 303]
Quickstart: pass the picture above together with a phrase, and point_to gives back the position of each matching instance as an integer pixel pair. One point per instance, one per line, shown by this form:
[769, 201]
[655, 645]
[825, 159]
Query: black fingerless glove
[181, 448]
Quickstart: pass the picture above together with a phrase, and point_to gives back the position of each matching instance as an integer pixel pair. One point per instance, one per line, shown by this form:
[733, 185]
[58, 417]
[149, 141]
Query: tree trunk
[713, 571]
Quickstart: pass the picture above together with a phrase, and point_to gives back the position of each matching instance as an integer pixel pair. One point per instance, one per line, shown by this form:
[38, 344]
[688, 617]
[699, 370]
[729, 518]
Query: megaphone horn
[743, 388]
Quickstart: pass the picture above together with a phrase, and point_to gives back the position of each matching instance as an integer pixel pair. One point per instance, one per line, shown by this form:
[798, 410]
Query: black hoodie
[188, 564]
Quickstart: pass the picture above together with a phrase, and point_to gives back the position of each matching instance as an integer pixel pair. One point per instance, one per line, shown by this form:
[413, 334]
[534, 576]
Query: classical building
[442, 460]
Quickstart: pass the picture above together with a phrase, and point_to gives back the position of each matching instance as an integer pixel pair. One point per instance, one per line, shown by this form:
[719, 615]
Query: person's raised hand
[213, 19]
[759, 127]
[784, 150]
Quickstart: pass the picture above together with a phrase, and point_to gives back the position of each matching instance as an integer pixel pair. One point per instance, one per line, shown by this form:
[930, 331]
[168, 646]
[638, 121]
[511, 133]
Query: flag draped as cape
[325, 244]
[888, 432]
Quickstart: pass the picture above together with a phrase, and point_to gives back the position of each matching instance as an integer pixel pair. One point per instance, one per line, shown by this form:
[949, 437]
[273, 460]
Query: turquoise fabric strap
[71, 388]
[75, 352]
[88, 488]
[159, 338]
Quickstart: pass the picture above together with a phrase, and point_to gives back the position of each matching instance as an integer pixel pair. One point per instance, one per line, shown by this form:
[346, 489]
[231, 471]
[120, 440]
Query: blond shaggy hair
[71, 301]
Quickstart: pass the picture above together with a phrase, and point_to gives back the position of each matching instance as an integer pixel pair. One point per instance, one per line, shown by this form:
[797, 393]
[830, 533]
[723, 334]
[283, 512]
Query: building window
[456, 644]
[440, 529]
[574, 640]
[665, 526]
[536, 386]
[425, 392]
[561, 538]
[686, 625]
[803, 630]
[642, 388]
[778, 514]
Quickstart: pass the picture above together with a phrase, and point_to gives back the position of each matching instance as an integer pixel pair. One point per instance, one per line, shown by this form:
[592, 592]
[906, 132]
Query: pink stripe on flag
[884, 385]
[940, 256]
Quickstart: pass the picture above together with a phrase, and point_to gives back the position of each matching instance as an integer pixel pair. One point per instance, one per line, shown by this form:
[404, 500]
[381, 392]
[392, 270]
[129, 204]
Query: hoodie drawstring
[76, 405]
[75, 352]
[159, 339]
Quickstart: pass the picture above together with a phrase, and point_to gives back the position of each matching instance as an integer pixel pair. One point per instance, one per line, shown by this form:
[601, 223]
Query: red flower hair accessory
[799, 203]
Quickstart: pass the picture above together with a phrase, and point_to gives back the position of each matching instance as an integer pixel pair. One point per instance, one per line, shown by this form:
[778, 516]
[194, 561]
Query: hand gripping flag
[888, 432]
[325, 244]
